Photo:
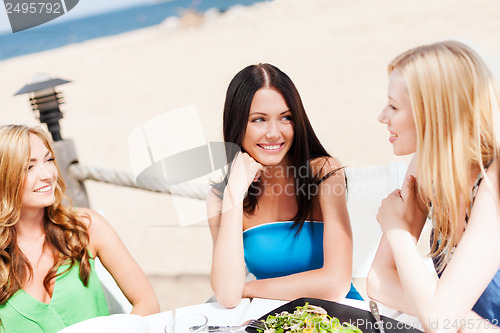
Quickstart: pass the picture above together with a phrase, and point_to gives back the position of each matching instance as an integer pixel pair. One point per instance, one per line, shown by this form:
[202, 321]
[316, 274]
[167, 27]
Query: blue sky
[83, 8]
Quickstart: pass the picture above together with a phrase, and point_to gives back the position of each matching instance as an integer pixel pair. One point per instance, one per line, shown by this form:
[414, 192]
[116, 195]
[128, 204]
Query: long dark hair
[305, 146]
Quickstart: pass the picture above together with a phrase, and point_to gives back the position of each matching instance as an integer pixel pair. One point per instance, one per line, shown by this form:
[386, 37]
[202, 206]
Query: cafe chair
[366, 188]
[117, 302]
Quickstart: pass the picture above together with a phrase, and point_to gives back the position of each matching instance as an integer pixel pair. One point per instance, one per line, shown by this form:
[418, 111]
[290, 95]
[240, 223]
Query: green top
[71, 303]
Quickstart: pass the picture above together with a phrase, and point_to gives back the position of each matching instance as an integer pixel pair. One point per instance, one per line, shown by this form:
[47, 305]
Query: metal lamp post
[45, 100]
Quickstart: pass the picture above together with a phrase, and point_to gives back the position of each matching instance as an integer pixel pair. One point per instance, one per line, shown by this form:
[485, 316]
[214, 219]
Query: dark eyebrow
[46, 155]
[265, 114]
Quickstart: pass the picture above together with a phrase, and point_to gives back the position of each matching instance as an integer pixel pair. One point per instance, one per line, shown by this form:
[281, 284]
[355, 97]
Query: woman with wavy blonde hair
[47, 251]
[443, 105]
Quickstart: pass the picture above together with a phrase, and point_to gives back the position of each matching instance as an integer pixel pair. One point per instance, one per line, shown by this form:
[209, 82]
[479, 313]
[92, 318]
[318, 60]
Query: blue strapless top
[488, 305]
[274, 250]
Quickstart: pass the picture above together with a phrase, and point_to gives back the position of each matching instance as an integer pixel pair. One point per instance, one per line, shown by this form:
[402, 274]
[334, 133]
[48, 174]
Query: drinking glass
[191, 323]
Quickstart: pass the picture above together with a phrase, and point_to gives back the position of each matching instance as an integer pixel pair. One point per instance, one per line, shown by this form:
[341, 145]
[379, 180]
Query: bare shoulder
[324, 166]
[88, 213]
[99, 229]
[91, 218]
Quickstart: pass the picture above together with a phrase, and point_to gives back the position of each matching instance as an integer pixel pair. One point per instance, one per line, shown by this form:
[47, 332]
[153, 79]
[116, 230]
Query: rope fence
[120, 178]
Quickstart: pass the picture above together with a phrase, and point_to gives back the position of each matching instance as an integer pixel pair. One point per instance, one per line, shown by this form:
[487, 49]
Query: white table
[216, 314]
[385, 311]
[123, 323]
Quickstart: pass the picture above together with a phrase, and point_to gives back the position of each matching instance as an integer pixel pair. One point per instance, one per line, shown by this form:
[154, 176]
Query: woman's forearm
[418, 282]
[318, 283]
[146, 306]
[228, 264]
[383, 284]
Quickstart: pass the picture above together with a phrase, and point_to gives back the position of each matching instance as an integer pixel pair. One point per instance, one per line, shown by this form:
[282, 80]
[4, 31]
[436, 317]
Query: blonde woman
[47, 251]
[442, 106]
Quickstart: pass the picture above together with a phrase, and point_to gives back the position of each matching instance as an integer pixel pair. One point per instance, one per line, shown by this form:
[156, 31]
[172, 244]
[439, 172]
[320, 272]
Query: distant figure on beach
[281, 211]
[47, 275]
[443, 106]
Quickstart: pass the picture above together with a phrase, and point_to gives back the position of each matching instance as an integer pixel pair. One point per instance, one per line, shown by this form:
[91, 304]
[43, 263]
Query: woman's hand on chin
[245, 170]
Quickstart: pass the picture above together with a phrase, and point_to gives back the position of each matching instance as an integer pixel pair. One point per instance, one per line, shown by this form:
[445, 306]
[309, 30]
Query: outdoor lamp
[45, 100]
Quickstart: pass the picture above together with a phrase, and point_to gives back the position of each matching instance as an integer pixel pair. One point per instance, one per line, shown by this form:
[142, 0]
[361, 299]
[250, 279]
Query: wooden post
[66, 155]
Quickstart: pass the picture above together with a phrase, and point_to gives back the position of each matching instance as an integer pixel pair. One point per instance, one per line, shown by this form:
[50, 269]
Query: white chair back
[367, 187]
[117, 302]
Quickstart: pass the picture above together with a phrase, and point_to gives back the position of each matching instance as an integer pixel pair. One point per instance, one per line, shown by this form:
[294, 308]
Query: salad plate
[362, 319]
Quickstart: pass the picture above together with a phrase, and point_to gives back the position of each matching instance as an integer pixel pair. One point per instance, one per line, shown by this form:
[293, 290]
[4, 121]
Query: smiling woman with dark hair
[282, 208]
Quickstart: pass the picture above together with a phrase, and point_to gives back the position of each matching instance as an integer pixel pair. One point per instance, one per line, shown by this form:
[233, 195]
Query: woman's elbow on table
[225, 296]
[337, 291]
[147, 305]
[373, 285]
[146, 308]
[228, 301]
[331, 287]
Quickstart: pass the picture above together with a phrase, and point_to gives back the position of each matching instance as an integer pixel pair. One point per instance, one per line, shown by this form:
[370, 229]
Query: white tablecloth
[216, 314]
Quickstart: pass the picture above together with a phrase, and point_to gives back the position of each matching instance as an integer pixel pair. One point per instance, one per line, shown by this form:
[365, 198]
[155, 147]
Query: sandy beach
[336, 52]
